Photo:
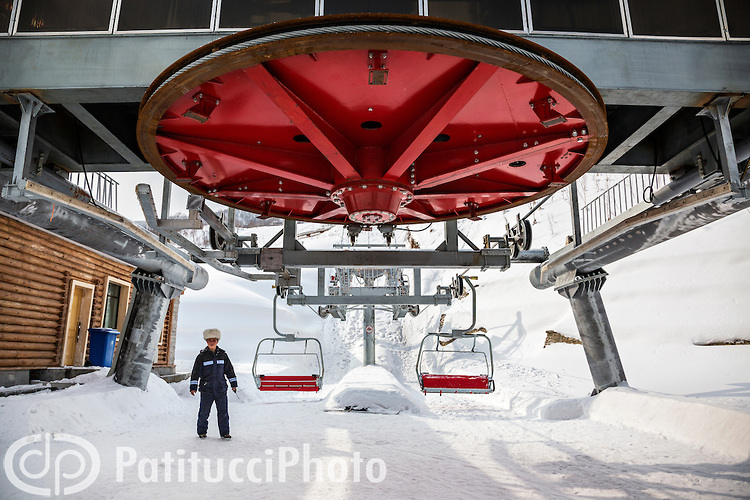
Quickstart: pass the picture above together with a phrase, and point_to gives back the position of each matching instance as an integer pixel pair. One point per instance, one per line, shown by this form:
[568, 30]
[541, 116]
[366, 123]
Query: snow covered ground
[680, 430]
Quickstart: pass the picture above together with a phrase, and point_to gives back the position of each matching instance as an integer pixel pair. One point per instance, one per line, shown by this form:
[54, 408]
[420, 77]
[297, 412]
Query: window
[112, 306]
[164, 15]
[501, 14]
[249, 13]
[6, 6]
[689, 18]
[38, 16]
[386, 6]
[115, 303]
[580, 16]
[738, 12]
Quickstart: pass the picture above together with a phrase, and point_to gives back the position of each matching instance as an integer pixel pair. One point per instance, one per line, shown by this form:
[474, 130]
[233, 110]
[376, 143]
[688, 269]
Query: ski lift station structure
[375, 121]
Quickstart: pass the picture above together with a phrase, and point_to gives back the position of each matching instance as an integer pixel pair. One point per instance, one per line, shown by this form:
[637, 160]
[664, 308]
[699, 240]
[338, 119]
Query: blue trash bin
[102, 346]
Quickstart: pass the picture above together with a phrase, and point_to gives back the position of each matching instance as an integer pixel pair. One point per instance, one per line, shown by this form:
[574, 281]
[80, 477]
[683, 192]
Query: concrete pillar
[369, 331]
[594, 329]
[139, 340]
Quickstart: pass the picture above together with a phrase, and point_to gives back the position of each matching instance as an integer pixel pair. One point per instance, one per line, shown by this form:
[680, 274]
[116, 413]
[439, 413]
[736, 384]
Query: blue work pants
[222, 412]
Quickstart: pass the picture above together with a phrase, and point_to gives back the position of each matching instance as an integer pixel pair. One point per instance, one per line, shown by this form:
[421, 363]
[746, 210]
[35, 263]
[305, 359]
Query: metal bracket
[551, 175]
[203, 107]
[155, 284]
[458, 283]
[376, 60]
[224, 238]
[547, 116]
[191, 168]
[401, 311]
[169, 229]
[573, 284]
[337, 312]
[472, 206]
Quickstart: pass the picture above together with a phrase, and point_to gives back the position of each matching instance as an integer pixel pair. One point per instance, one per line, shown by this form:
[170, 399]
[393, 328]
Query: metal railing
[624, 195]
[101, 187]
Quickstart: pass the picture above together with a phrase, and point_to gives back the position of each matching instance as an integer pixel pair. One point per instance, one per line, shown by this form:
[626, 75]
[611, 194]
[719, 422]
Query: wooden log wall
[36, 270]
[167, 341]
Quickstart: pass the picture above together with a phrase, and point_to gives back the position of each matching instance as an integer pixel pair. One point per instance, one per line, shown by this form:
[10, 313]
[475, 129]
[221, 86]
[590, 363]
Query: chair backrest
[288, 364]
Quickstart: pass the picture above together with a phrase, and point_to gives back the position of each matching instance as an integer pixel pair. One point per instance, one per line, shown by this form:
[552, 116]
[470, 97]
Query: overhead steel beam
[643, 131]
[375, 300]
[7, 154]
[111, 62]
[601, 168]
[103, 132]
[379, 291]
[685, 157]
[637, 71]
[57, 156]
[109, 167]
[482, 259]
[648, 72]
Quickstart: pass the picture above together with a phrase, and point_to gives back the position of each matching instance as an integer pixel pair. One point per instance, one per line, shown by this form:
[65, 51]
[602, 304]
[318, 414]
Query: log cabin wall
[37, 273]
[165, 356]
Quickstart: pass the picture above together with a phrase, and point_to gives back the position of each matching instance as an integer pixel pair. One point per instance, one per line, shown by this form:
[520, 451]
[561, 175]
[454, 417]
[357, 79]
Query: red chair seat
[289, 383]
[448, 382]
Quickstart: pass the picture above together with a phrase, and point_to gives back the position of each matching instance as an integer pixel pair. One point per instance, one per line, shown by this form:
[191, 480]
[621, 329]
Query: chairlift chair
[299, 382]
[440, 383]
[303, 382]
[481, 383]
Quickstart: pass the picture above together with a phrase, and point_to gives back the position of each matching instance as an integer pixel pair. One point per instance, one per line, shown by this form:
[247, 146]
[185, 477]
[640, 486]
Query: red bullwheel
[372, 119]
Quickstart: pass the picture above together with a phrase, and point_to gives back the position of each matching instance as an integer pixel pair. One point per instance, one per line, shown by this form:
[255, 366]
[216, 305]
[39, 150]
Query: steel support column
[575, 213]
[139, 340]
[719, 109]
[31, 109]
[166, 198]
[369, 332]
[292, 276]
[451, 236]
[594, 329]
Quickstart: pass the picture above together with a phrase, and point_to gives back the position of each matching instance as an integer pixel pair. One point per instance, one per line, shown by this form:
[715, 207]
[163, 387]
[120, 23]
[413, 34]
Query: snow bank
[98, 403]
[372, 389]
[712, 429]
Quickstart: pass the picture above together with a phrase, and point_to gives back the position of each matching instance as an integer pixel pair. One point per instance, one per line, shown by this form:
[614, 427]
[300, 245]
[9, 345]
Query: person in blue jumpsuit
[211, 370]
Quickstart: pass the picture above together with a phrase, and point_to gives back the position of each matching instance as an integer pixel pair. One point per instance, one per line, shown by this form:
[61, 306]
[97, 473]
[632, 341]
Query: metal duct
[144, 252]
[677, 187]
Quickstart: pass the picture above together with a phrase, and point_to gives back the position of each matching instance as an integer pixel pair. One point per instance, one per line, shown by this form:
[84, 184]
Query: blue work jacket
[211, 371]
